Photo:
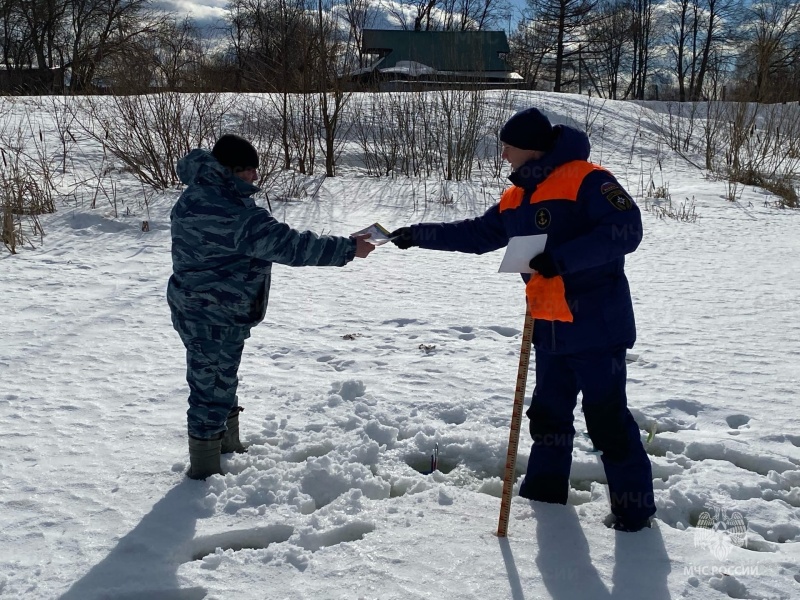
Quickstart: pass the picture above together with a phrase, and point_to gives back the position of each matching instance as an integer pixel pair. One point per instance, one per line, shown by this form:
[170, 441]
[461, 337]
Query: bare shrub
[591, 112]
[658, 202]
[744, 143]
[27, 181]
[733, 191]
[263, 127]
[149, 133]
[63, 110]
[299, 119]
[711, 131]
[490, 150]
[22, 200]
[678, 126]
[288, 185]
[763, 148]
[684, 213]
[335, 126]
[383, 136]
[782, 187]
[423, 134]
[459, 124]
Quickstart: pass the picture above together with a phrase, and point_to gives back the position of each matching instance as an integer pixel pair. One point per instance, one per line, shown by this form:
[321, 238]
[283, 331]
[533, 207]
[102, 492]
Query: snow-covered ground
[354, 378]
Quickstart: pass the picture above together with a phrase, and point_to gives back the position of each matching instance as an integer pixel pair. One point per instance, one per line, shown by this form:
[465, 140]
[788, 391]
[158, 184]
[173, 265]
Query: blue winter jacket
[223, 247]
[590, 222]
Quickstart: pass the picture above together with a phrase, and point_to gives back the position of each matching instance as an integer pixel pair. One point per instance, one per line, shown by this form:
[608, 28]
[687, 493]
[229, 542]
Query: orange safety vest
[547, 297]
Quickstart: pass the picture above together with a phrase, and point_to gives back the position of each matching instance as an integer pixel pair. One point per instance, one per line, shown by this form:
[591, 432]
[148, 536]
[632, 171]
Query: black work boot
[628, 525]
[230, 441]
[204, 457]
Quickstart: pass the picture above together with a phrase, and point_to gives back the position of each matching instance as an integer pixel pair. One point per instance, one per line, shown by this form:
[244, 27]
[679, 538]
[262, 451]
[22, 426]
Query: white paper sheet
[377, 234]
[519, 252]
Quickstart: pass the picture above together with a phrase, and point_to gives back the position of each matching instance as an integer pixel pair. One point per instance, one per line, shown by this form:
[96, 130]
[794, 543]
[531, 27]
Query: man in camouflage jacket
[223, 247]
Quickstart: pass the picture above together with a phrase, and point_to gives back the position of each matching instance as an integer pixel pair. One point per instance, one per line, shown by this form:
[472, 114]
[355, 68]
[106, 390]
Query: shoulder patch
[618, 197]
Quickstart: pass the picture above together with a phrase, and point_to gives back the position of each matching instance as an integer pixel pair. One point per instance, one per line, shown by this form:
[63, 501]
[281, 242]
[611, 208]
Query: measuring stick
[516, 423]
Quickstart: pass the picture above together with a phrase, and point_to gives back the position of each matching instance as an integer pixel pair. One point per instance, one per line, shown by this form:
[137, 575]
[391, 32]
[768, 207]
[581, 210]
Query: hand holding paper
[519, 252]
[376, 234]
[363, 246]
[402, 238]
[544, 265]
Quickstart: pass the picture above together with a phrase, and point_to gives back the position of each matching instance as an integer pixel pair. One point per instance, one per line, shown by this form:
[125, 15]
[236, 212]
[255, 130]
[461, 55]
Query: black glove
[544, 265]
[402, 238]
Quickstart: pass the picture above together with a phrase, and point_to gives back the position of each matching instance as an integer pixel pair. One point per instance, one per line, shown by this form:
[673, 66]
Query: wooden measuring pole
[516, 423]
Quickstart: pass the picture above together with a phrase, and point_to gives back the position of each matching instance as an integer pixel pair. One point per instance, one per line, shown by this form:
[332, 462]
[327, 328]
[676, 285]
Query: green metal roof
[441, 50]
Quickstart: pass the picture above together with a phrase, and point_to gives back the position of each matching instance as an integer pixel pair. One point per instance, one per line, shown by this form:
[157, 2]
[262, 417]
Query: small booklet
[377, 234]
[521, 249]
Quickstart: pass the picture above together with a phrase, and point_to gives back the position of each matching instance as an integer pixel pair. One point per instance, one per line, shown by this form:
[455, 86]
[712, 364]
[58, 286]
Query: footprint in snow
[254, 539]
[504, 331]
[737, 421]
[400, 322]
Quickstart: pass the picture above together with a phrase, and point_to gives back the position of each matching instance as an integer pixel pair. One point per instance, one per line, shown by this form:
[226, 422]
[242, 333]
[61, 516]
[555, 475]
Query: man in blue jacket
[223, 247]
[579, 298]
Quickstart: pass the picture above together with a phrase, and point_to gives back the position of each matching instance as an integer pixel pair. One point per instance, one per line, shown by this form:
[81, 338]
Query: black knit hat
[235, 152]
[529, 129]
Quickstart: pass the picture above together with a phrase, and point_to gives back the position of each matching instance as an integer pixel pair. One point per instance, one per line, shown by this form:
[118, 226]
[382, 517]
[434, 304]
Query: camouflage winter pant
[213, 355]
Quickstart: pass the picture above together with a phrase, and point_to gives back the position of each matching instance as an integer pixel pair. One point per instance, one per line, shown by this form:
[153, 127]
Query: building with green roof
[435, 58]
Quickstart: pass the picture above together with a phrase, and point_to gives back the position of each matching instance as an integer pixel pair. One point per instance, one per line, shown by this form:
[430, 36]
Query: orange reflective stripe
[564, 182]
[547, 299]
[511, 198]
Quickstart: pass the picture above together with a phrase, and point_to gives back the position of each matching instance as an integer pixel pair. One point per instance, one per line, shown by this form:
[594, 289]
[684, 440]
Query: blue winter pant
[601, 377]
[213, 355]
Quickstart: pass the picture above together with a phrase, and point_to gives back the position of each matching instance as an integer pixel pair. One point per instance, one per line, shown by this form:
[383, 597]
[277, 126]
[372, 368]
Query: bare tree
[470, 15]
[270, 39]
[424, 8]
[773, 49]
[682, 26]
[15, 37]
[103, 28]
[566, 18]
[531, 45]
[332, 98]
[422, 14]
[178, 52]
[698, 32]
[720, 16]
[358, 14]
[608, 43]
[642, 36]
[44, 20]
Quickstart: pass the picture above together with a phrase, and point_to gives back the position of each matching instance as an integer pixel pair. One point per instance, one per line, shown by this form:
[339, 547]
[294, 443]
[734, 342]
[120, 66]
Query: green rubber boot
[230, 441]
[204, 457]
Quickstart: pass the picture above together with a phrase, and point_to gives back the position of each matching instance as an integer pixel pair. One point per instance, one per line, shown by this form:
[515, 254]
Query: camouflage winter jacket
[223, 247]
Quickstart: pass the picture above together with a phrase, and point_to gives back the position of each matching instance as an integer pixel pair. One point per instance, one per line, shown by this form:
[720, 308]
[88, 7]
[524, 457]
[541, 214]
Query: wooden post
[516, 424]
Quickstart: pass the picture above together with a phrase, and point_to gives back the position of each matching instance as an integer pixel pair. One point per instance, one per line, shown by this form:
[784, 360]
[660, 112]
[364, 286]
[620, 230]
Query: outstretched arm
[262, 236]
[475, 236]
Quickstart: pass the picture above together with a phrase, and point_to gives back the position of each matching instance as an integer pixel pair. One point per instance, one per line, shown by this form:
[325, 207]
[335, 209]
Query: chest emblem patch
[543, 218]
